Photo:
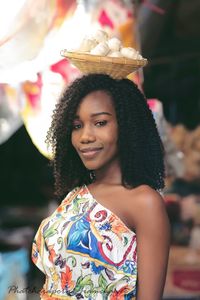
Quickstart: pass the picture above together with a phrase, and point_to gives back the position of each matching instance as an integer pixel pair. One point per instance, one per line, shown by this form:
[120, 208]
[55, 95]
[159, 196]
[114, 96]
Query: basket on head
[116, 67]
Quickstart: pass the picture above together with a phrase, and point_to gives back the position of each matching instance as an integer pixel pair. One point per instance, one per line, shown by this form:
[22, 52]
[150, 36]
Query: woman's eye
[76, 126]
[101, 123]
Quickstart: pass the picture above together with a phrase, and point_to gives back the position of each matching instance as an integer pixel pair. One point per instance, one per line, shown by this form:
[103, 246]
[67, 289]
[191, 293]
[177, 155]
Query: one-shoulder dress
[85, 251]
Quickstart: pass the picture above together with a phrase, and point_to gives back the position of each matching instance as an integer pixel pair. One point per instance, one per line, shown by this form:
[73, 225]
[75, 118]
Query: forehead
[94, 102]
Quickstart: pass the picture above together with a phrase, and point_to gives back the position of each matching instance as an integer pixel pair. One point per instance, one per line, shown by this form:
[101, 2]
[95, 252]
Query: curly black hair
[141, 152]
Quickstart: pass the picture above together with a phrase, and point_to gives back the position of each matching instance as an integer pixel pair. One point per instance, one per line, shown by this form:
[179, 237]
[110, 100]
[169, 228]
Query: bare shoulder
[147, 196]
[153, 240]
[148, 204]
[144, 197]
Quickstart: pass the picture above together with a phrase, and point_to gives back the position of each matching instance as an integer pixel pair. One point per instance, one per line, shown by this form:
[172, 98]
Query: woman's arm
[153, 242]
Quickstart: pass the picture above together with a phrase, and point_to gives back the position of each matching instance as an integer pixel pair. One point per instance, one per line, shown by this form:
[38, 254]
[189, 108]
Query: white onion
[101, 49]
[114, 44]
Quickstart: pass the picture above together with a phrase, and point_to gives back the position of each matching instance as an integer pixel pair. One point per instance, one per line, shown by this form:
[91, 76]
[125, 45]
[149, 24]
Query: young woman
[109, 238]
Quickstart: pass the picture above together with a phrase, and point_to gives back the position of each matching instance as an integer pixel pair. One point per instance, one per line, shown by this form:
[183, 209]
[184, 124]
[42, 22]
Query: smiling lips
[90, 152]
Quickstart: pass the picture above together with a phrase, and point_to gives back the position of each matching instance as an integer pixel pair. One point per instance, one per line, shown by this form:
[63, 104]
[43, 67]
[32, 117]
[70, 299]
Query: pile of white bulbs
[99, 43]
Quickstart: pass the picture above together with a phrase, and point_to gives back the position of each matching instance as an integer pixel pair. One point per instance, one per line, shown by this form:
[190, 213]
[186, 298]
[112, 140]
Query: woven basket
[116, 67]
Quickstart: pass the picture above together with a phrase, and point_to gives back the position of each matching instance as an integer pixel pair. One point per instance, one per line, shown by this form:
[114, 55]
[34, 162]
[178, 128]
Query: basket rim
[82, 56]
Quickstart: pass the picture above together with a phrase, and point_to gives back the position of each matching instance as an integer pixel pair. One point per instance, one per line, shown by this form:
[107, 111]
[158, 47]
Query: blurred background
[32, 76]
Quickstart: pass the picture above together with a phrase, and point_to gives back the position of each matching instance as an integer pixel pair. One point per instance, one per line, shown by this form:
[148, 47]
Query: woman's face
[95, 131]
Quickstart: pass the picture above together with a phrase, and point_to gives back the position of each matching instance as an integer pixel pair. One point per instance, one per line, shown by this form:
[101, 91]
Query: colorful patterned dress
[85, 251]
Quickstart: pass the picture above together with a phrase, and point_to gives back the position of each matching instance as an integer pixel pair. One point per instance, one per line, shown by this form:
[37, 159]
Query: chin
[91, 166]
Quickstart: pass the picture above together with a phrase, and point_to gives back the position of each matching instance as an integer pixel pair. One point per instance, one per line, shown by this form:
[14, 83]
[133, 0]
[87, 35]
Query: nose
[87, 135]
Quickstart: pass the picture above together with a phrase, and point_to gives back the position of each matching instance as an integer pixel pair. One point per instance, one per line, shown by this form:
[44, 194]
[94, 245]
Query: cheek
[114, 134]
[73, 140]
[112, 138]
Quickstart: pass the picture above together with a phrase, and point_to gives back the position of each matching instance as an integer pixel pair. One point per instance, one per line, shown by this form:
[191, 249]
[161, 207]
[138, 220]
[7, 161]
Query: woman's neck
[109, 174]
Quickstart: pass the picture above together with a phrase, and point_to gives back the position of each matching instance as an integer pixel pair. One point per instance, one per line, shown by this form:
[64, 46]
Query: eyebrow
[96, 114]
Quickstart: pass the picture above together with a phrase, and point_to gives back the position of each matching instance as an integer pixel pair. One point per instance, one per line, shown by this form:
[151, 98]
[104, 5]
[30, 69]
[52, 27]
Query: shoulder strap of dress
[71, 195]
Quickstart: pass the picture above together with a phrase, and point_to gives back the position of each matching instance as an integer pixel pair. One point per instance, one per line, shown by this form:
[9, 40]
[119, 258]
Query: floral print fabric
[85, 251]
